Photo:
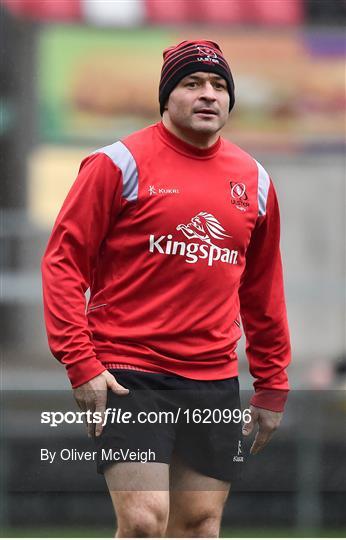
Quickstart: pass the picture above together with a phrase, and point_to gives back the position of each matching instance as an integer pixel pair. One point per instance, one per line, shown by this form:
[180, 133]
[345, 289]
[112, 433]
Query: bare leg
[196, 503]
[140, 496]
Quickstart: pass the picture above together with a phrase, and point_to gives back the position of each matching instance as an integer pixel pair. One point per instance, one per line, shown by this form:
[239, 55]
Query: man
[176, 232]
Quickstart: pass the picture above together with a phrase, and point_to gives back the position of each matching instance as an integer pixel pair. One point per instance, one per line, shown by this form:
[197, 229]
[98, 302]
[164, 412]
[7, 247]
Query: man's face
[199, 103]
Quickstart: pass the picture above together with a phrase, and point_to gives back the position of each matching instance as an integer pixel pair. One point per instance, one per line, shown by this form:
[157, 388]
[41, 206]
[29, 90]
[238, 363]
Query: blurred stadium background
[78, 74]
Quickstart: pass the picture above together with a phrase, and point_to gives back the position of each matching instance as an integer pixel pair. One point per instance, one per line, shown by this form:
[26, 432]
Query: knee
[206, 525]
[143, 523]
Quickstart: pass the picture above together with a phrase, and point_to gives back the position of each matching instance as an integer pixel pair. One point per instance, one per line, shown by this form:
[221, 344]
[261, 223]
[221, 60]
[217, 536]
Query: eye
[219, 86]
[191, 84]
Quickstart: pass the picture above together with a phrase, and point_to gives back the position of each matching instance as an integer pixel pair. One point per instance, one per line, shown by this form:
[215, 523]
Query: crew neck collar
[185, 148]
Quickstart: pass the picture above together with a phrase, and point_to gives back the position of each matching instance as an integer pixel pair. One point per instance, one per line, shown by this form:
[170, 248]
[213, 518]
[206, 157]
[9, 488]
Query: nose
[208, 92]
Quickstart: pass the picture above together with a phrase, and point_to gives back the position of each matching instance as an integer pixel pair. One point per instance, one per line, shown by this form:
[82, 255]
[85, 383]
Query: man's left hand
[268, 422]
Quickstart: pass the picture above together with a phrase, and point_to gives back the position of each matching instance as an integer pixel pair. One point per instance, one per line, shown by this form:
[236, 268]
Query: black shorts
[200, 421]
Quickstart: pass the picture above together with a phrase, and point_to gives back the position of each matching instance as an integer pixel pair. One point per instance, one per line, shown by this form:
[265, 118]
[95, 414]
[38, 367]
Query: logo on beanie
[207, 55]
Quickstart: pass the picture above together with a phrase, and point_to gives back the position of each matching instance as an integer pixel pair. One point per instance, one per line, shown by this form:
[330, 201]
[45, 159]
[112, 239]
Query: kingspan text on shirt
[192, 251]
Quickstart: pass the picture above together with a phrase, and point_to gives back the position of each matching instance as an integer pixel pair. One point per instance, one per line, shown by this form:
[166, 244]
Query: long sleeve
[263, 311]
[69, 262]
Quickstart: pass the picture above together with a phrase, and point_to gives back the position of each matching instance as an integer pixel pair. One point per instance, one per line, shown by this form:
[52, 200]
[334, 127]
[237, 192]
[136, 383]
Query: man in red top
[176, 232]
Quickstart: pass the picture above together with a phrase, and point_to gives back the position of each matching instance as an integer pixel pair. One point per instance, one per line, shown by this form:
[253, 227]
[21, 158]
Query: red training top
[176, 244]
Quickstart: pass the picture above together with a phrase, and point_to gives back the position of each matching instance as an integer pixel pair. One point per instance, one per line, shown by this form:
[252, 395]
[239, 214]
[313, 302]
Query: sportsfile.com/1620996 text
[120, 416]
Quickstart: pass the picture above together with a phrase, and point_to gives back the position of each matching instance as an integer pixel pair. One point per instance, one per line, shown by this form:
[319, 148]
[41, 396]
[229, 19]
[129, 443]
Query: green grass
[260, 532]
[58, 532]
[226, 532]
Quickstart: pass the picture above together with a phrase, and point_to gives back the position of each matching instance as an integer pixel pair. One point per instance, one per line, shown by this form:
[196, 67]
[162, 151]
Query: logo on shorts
[206, 229]
[239, 457]
[238, 196]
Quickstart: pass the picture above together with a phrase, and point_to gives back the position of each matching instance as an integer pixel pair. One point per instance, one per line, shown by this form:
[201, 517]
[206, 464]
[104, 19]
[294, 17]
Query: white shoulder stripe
[122, 158]
[263, 189]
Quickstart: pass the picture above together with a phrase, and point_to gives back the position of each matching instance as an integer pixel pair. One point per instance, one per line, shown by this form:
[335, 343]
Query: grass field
[69, 532]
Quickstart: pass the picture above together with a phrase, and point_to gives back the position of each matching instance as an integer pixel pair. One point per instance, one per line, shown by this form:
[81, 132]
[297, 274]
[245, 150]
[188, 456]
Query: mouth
[206, 112]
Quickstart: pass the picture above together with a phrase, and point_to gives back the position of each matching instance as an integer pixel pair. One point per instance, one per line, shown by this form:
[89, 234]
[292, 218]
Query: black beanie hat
[189, 57]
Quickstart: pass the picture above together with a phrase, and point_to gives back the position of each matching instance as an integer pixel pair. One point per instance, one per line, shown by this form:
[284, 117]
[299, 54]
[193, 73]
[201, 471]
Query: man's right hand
[92, 396]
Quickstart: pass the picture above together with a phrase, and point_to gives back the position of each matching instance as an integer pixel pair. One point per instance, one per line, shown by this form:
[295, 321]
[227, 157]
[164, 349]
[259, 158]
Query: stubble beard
[207, 127]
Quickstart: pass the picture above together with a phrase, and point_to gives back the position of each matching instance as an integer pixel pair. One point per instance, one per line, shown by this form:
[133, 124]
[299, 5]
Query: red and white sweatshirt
[178, 246]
